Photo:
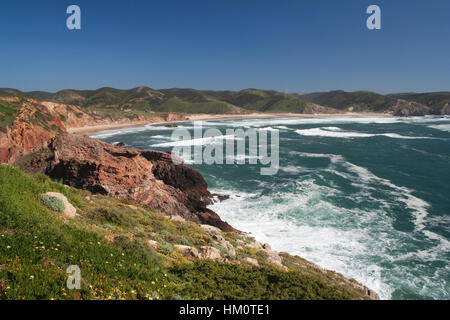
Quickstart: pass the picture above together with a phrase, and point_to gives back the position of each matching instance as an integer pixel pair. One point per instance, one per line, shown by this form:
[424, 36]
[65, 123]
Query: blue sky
[291, 46]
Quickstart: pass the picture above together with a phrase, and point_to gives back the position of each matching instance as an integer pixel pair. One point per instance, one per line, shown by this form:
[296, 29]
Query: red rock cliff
[38, 142]
[148, 178]
[37, 122]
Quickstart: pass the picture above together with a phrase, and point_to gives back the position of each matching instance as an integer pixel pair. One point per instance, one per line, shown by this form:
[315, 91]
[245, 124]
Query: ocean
[368, 197]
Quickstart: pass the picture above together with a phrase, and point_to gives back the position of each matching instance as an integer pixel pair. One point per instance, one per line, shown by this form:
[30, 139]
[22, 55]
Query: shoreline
[199, 117]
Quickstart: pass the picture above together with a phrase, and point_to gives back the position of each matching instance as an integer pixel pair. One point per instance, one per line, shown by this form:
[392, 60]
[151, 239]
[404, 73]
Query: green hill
[109, 241]
[116, 103]
[105, 101]
[358, 101]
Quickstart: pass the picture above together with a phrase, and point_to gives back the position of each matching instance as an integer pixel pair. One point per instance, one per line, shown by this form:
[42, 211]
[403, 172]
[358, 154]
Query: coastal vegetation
[7, 115]
[358, 101]
[126, 251]
[141, 102]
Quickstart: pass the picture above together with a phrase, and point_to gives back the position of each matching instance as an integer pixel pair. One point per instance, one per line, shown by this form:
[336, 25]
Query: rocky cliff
[446, 109]
[38, 142]
[147, 178]
[404, 108]
[37, 122]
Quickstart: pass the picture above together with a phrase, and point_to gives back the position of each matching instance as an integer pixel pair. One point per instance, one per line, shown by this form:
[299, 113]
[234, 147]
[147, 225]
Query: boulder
[251, 261]
[255, 245]
[274, 258]
[209, 228]
[187, 251]
[177, 218]
[69, 209]
[175, 117]
[210, 253]
[153, 244]
[225, 244]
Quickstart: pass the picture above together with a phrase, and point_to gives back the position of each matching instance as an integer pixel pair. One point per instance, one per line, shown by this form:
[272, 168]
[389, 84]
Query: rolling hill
[358, 101]
[143, 101]
[114, 102]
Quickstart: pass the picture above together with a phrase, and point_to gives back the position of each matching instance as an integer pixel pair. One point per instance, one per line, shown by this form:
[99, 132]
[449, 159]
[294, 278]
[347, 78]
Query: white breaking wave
[356, 240]
[148, 127]
[418, 206]
[197, 142]
[282, 128]
[326, 120]
[333, 132]
[159, 136]
[442, 127]
[249, 123]
[312, 233]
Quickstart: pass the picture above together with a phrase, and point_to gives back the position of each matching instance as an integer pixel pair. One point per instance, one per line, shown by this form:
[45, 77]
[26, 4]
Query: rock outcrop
[148, 178]
[405, 108]
[204, 252]
[175, 117]
[446, 109]
[69, 210]
[37, 122]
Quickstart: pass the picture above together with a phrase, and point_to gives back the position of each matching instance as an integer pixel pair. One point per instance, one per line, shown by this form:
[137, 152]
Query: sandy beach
[198, 117]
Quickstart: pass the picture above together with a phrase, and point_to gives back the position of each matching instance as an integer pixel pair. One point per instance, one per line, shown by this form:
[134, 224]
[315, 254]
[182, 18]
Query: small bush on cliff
[52, 202]
[140, 250]
[115, 215]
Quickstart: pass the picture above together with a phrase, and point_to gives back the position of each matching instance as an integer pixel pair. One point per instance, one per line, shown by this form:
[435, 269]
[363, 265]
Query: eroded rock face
[446, 109]
[175, 117]
[405, 108]
[35, 124]
[148, 178]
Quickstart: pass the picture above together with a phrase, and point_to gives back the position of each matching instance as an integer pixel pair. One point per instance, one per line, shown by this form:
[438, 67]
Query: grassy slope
[143, 101]
[8, 112]
[360, 100]
[115, 103]
[264, 101]
[109, 244]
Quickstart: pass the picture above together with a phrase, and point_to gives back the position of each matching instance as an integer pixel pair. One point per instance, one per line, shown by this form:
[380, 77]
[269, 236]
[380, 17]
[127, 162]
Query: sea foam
[333, 132]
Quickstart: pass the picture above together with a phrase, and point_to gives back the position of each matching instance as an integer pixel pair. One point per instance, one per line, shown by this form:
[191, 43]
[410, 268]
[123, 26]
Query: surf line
[208, 147]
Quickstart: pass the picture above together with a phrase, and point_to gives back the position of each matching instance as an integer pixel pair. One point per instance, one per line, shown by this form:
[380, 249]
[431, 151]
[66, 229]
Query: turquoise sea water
[367, 197]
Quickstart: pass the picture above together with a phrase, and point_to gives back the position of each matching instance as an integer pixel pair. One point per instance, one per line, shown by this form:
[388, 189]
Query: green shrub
[52, 202]
[213, 280]
[139, 249]
[115, 215]
[164, 246]
[186, 242]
